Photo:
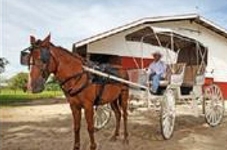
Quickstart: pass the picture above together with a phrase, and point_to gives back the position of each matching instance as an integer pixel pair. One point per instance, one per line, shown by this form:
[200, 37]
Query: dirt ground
[47, 125]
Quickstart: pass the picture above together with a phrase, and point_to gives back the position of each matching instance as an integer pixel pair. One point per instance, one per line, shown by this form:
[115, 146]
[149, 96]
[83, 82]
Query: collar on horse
[76, 77]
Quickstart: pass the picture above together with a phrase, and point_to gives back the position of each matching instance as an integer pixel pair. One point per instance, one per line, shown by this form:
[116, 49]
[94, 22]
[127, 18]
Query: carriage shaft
[91, 70]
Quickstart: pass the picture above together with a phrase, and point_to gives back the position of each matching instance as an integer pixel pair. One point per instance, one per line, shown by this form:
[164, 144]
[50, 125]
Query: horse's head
[38, 59]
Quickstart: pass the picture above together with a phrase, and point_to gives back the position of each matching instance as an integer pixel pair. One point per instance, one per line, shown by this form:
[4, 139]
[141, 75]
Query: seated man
[156, 70]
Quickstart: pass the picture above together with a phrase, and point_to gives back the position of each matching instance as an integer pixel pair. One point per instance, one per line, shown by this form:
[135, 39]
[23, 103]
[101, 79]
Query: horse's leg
[117, 112]
[124, 105]
[89, 113]
[76, 112]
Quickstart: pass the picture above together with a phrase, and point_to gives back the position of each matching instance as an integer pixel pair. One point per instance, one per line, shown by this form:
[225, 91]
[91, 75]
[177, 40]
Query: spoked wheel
[214, 105]
[168, 114]
[102, 116]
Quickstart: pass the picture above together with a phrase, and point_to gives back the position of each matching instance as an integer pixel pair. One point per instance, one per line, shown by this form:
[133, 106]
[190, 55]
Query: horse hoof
[76, 148]
[126, 141]
[113, 139]
[93, 147]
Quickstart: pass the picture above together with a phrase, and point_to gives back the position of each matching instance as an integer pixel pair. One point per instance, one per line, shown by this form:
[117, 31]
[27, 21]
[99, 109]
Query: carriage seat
[194, 75]
[177, 73]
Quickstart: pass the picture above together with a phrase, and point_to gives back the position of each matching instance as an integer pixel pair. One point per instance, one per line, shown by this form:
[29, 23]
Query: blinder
[25, 56]
[44, 55]
[44, 59]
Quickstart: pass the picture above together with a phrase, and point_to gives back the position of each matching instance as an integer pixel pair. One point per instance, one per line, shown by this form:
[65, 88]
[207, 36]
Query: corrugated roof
[149, 20]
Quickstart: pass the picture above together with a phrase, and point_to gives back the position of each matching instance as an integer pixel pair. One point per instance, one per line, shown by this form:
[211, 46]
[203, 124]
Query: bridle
[43, 64]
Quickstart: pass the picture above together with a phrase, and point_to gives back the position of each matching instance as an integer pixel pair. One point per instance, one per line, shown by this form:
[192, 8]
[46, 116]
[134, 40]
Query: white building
[211, 35]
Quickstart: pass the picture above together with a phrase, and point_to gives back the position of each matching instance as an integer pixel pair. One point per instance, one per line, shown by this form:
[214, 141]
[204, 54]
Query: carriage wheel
[102, 116]
[214, 105]
[168, 114]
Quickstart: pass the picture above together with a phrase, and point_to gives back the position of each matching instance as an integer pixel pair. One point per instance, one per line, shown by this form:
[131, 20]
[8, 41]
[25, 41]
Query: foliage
[8, 97]
[18, 81]
[3, 79]
[52, 87]
[3, 63]
[15, 92]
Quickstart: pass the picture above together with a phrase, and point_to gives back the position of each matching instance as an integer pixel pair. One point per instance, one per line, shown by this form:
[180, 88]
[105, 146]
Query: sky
[69, 21]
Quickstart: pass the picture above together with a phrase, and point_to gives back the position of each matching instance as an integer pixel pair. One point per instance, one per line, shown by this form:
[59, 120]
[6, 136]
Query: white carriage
[184, 81]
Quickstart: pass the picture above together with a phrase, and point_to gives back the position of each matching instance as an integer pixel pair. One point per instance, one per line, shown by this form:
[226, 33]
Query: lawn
[8, 97]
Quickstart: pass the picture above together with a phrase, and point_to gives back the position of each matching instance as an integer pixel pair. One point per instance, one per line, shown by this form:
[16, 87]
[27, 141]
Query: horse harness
[45, 56]
[91, 79]
[103, 81]
[76, 77]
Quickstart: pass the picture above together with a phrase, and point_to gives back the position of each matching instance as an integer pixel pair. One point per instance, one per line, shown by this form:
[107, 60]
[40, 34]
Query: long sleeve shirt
[158, 67]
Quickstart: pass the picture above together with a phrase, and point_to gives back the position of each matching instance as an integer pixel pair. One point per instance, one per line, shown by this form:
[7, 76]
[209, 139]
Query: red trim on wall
[209, 81]
[129, 62]
[223, 86]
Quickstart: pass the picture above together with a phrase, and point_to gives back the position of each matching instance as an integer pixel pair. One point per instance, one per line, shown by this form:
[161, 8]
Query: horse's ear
[46, 41]
[32, 40]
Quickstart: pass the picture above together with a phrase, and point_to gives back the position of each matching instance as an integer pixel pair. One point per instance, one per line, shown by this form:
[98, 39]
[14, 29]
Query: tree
[18, 81]
[3, 82]
[3, 63]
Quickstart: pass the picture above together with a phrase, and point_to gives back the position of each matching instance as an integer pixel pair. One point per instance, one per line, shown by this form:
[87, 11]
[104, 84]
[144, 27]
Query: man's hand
[153, 74]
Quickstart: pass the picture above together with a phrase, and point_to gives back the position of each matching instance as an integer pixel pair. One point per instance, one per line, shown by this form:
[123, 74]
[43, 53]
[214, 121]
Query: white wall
[117, 45]
[217, 45]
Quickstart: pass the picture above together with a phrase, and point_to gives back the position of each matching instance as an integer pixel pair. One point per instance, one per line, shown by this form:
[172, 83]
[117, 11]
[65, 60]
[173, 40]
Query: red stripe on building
[223, 86]
[131, 63]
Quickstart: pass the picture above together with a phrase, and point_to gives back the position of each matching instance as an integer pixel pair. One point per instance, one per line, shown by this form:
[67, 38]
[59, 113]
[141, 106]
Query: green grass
[8, 97]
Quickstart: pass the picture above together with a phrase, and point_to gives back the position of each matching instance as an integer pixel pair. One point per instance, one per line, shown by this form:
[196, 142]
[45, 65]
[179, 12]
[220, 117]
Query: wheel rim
[214, 102]
[102, 116]
[168, 114]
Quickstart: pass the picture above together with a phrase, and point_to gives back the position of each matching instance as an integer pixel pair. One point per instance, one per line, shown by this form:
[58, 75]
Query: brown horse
[80, 91]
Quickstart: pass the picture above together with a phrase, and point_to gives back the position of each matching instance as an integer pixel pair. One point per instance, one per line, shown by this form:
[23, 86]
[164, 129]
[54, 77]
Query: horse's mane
[74, 55]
